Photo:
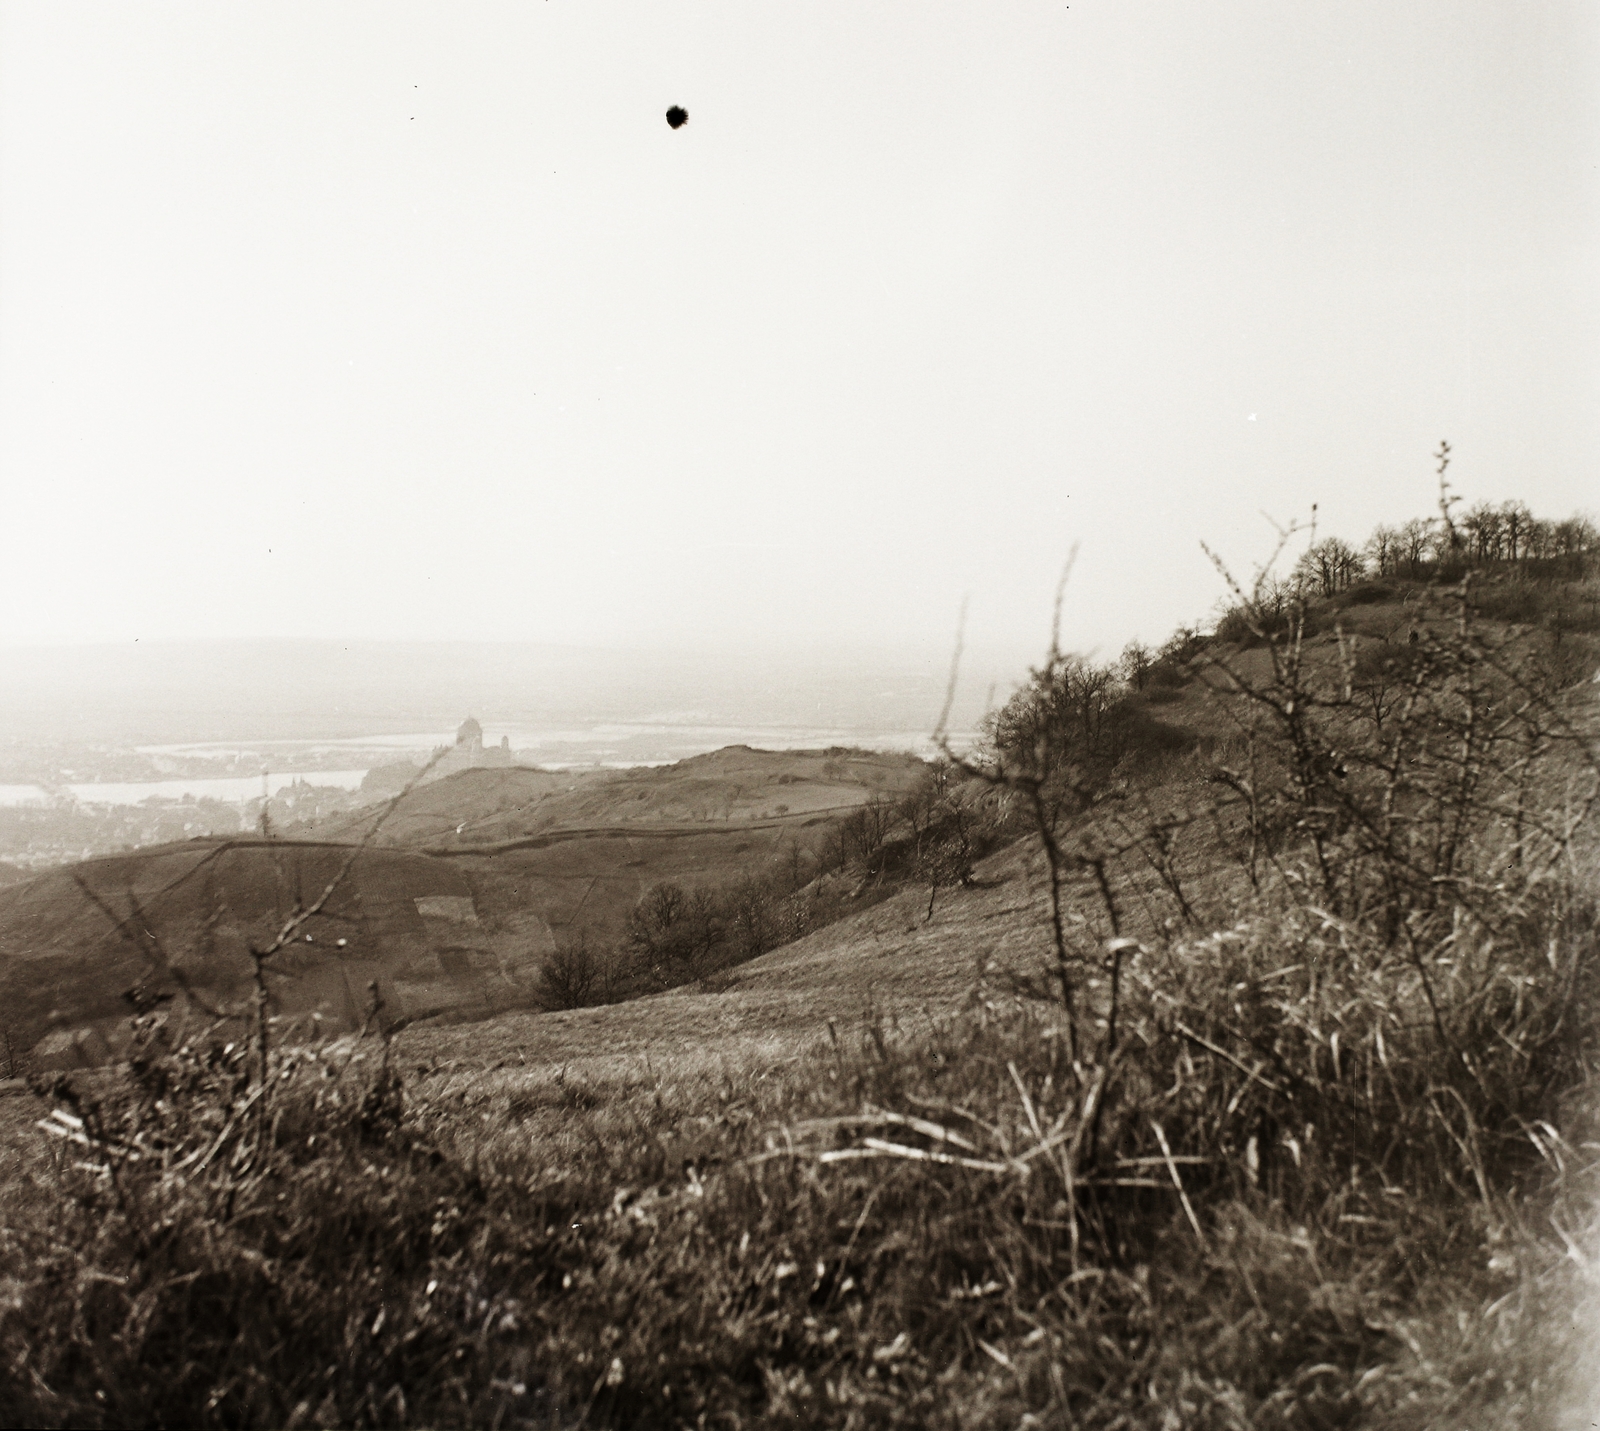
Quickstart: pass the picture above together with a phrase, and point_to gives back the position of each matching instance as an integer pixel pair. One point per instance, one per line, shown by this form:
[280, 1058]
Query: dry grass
[886, 958]
[651, 1213]
[1291, 1164]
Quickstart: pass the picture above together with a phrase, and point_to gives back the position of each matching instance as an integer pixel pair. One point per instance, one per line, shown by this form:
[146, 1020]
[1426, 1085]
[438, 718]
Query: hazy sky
[418, 321]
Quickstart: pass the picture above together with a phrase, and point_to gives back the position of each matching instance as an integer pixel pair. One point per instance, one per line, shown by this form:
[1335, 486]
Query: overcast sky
[419, 321]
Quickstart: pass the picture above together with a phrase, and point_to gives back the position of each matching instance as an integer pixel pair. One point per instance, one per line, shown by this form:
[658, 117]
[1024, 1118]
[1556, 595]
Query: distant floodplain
[607, 745]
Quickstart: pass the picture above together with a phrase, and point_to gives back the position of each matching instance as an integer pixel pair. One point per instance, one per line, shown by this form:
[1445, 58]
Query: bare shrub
[578, 973]
[943, 862]
[674, 932]
[751, 915]
[13, 1058]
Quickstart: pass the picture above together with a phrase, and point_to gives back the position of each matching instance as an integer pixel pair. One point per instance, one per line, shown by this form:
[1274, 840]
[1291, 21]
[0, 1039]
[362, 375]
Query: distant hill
[728, 787]
[451, 908]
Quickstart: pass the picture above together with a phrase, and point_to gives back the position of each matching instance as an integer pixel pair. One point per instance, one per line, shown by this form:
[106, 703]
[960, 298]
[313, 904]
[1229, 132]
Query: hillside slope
[884, 962]
[738, 784]
[888, 963]
[1267, 1119]
[453, 912]
[84, 948]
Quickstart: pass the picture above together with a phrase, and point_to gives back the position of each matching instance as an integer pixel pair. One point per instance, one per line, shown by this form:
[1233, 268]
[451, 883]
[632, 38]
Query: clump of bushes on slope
[1519, 568]
[677, 935]
[931, 838]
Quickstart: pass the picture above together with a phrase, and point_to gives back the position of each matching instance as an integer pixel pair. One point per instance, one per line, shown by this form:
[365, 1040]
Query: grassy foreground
[1280, 1206]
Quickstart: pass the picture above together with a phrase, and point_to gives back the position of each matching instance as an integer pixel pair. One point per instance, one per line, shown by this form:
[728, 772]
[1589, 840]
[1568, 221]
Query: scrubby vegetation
[677, 935]
[1288, 1127]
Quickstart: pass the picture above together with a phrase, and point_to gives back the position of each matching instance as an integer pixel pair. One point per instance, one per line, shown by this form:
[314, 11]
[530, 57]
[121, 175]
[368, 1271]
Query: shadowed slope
[459, 923]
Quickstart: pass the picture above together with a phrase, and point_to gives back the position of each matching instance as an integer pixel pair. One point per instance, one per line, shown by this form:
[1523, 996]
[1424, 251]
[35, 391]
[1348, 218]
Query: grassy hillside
[736, 785]
[453, 910]
[1252, 1086]
[726, 1201]
[83, 949]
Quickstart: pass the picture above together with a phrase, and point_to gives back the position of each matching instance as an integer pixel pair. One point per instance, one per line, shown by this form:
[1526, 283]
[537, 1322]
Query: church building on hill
[469, 752]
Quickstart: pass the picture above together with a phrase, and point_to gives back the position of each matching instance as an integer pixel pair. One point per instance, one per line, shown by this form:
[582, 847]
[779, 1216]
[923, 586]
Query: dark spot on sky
[677, 116]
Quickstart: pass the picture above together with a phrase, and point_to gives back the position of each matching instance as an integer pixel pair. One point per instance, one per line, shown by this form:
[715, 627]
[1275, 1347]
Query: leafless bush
[578, 973]
[1416, 779]
[943, 862]
[13, 1060]
[674, 932]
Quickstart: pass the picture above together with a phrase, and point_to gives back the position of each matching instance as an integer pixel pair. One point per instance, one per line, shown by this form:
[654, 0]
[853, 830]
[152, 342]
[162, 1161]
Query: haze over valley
[107, 748]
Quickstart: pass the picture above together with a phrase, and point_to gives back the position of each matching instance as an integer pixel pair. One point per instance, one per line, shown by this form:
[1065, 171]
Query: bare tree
[1328, 567]
[1134, 664]
[674, 931]
[577, 974]
[1413, 541]
[1383, 550]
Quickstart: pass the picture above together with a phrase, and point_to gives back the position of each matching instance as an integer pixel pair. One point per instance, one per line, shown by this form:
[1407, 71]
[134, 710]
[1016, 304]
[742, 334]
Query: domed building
[469, 753]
